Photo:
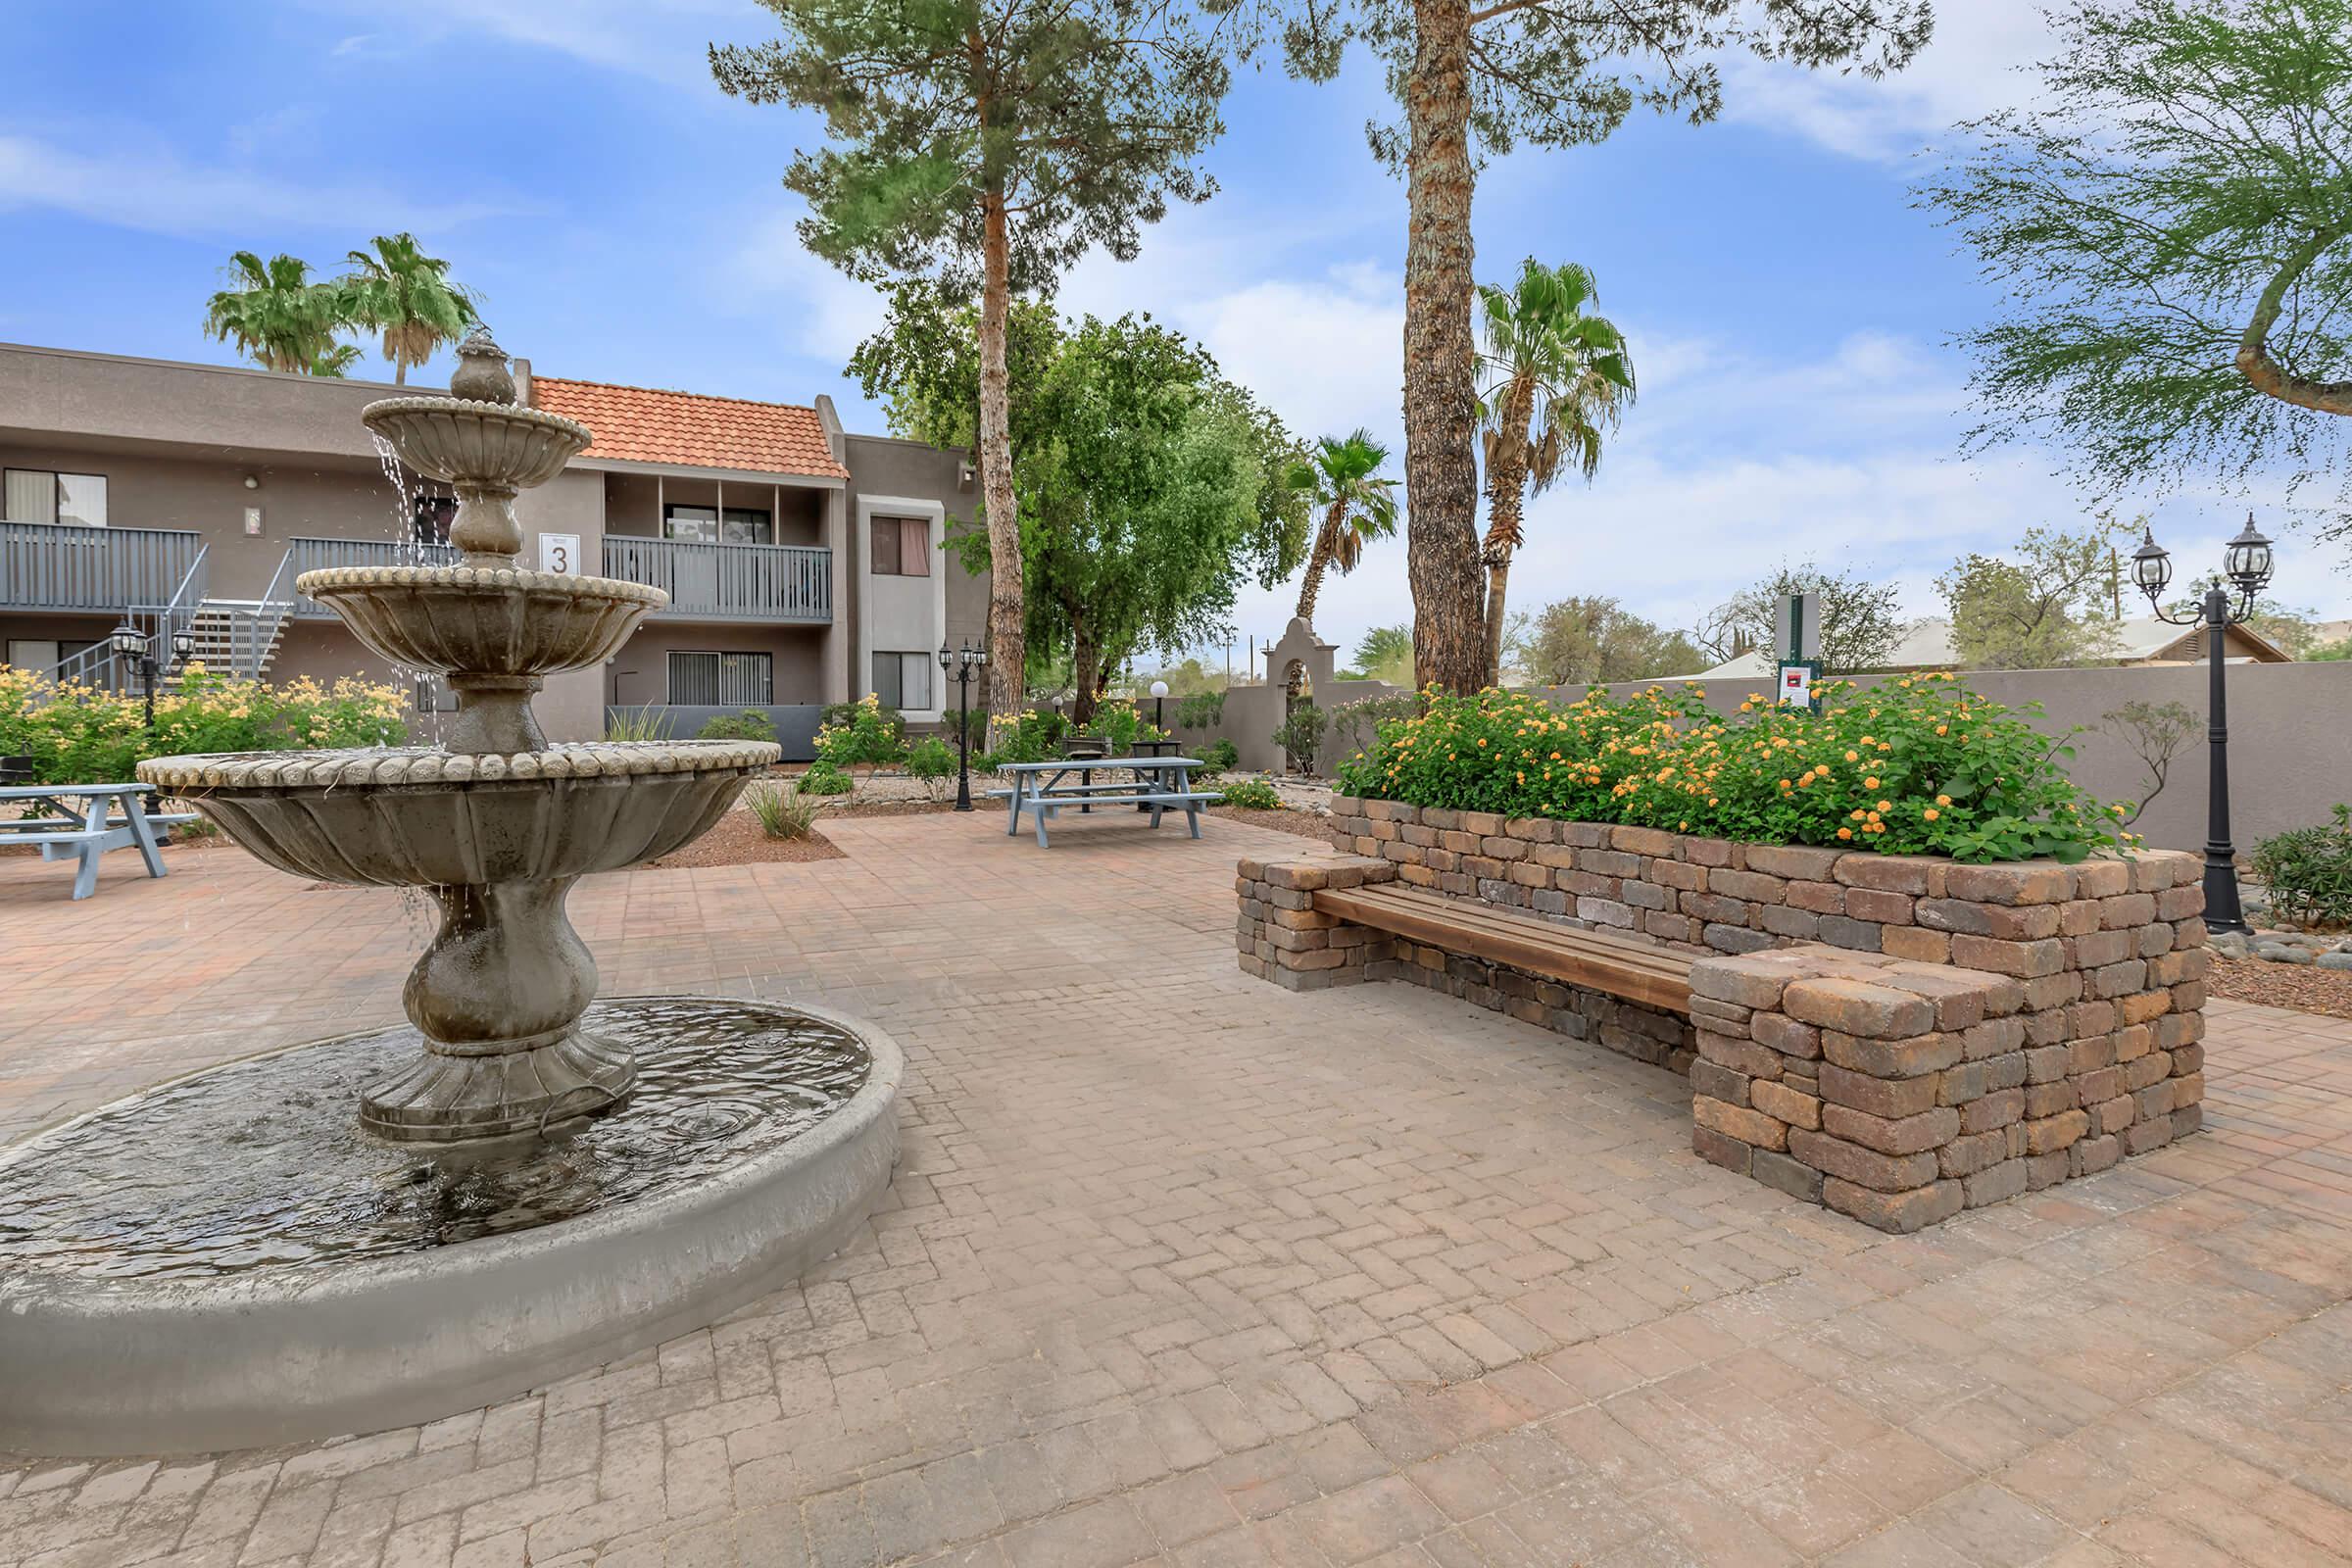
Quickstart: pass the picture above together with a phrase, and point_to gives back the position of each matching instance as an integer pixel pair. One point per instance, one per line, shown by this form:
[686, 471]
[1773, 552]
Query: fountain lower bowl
[489, 621]
[277, 1339]
[420, 817]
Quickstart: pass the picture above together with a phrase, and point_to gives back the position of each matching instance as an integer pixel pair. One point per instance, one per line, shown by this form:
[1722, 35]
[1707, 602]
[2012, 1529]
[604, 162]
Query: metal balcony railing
[52, 565]
[729, 582]
[317, 555]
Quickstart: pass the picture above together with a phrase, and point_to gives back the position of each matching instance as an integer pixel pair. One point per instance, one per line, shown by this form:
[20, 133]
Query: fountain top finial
[481, 376]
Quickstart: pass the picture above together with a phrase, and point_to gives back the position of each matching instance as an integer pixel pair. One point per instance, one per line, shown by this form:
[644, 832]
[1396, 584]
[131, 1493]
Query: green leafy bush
[1219, 756]
[823, 779]
[1252, 794]
[1919, 765]
[780, 808]
[933, 760]
[867, 736]
[744, 724]
[1300, 733]
[1120, 724]
[1201, 710]
[78, 734]
[2309, 871]
[1031, 736]
[1355, 725]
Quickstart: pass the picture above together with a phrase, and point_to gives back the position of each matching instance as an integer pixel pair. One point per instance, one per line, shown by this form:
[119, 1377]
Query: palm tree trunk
[1506, 483]
[1006, 653]
[1441, 364]
[1319, 559]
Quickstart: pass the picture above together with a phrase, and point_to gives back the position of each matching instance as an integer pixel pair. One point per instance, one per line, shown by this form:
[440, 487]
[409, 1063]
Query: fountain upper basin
[413, 817]
[481, 619]
[491, 445]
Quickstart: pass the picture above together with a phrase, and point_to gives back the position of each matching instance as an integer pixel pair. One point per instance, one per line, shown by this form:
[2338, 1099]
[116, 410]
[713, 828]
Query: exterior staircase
[236, 637]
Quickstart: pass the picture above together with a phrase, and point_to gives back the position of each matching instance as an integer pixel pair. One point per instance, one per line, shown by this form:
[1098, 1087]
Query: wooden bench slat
[1656, 977]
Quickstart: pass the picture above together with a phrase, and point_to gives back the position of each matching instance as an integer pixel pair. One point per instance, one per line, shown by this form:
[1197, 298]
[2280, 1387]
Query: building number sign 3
[559, 553]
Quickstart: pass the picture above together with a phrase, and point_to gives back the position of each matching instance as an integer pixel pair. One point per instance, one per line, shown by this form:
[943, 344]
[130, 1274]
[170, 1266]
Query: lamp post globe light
[2246, 565]
[1159, 701]
[965, 661]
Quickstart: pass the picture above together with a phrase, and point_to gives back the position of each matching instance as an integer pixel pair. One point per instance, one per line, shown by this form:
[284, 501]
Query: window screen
[721, 680]
[904, 680]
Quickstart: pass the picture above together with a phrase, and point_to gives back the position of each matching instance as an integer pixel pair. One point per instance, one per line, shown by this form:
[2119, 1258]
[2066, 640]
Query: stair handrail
[162, 622]
[261, 624]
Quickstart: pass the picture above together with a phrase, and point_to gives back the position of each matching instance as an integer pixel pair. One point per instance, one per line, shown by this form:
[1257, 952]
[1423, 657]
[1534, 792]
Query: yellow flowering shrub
[83, 734]
[1918, 765]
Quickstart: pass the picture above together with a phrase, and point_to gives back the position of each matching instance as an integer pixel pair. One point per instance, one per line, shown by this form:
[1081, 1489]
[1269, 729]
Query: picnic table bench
[1161, 784]
[80, 822]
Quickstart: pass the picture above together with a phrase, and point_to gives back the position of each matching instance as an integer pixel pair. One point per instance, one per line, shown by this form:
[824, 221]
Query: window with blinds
[904, 680]
[721, 680]
[41, 495]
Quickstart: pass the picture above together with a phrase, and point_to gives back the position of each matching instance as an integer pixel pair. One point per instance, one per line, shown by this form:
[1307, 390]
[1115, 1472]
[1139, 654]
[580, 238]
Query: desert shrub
[823, 779]
[933, 760]
[2309, 871]
[1201, 710]
[1919, 765]
[1255, 794]
[1300, 733]
[869, 736]
[1219, 756]
[744, 724]
[1122, 725]
[1034, 736]
[780, 808]
[647, 723]
[80, 734]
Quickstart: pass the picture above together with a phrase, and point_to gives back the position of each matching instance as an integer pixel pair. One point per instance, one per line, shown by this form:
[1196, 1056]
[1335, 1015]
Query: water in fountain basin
[259, 1164]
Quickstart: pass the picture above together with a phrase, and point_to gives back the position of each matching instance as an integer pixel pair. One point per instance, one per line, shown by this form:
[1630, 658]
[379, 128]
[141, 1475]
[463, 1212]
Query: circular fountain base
[228, 1261]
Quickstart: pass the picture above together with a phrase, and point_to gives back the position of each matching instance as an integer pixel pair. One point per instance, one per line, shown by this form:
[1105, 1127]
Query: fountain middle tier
[498, 840]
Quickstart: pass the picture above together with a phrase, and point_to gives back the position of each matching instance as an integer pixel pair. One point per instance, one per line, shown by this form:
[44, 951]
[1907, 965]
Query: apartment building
[804, 565]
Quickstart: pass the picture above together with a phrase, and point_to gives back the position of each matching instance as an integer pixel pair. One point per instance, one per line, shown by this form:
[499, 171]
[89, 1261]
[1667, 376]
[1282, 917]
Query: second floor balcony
[729, 582]
[56, 565]
[317, 555]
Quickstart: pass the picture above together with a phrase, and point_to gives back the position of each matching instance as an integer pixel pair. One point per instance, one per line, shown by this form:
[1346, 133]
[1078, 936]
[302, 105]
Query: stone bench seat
[2005, 1028]
[1624, 966]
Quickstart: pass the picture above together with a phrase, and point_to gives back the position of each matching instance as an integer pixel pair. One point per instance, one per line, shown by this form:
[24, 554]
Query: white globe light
[1160, 688]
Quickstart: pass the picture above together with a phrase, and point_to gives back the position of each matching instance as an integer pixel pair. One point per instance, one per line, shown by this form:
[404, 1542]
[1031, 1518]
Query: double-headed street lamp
[2248, 564]
[964, 661]
[135, 646]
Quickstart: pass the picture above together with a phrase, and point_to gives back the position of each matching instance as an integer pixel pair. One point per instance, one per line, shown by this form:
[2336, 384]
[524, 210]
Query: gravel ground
[2283, 985]
[1307, 824]
[739, 841]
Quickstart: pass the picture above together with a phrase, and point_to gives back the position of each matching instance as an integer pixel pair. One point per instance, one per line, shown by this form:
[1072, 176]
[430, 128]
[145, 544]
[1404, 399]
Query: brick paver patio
[1356, 1276]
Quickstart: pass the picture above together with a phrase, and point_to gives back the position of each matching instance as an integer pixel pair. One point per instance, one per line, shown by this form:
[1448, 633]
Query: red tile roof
[638, 424]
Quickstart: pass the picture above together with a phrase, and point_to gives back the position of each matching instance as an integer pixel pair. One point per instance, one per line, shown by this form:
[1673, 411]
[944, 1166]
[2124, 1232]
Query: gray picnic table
[80, 822]
[1161, 784]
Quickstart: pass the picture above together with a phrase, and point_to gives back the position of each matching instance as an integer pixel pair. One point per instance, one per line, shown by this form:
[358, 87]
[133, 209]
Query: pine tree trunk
[1085, 663]
[1506, 483]
[1441, 362]
[1006, 653]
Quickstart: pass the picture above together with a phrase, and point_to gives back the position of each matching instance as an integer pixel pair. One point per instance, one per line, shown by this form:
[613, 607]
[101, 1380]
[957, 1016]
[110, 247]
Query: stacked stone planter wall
[1932, 1035]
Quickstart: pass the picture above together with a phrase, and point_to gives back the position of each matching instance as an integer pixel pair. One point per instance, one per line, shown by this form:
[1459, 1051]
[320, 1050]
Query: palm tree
[408, 295]
[279, 317]
[335, 359]
[1561, 377]
[1357, 503]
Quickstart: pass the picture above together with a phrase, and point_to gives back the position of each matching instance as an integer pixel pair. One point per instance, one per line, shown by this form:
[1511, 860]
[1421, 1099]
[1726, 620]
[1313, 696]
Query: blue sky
[1789, 310]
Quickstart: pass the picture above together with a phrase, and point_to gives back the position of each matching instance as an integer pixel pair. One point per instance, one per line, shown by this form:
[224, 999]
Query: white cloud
[664, 39]
[814, 308]
[152, 188]
[1971, 65]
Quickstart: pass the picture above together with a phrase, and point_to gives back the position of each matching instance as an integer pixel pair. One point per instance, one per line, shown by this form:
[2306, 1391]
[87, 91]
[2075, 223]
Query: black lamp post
[964, 661]
[2248, 564]
[131, 644]
[1159, 705]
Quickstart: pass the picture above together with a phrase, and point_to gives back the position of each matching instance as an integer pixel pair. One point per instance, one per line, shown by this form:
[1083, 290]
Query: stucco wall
[882, 465]
[640, 672]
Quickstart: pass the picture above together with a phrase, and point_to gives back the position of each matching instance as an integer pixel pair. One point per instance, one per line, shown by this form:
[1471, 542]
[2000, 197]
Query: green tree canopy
[1385, 653]
[1589, 638]
[398, 291]
[2051, 602]
[2173, 229]
[1859, 621]
[1140, 474]
[277, 316]
[988, 143]
[1474, 79]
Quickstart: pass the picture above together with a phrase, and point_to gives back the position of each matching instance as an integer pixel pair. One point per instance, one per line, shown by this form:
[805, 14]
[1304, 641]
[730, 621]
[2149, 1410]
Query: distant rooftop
[640, 424]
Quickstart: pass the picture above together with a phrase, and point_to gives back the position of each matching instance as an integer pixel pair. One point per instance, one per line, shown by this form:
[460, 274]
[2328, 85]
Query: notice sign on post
[559, 553]
[1797, 685]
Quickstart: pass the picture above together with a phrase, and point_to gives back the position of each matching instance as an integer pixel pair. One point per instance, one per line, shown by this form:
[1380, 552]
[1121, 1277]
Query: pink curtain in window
[914, 547]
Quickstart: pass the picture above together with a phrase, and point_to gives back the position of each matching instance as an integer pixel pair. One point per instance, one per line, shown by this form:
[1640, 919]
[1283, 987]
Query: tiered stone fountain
[212, 1264]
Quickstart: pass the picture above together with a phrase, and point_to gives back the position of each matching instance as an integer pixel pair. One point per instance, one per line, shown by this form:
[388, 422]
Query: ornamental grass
[83, 734]
[1917, 765]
